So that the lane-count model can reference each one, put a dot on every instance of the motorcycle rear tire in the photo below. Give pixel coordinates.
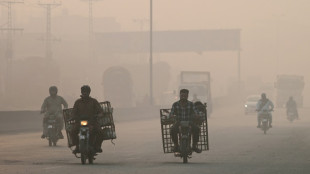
(49, 142)
(264, 125)
(90, 159)
(83, 158)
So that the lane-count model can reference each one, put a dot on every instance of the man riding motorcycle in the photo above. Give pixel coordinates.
(87, 108)
(52, 105)
(184, 110)
(291, 106)
(264, 105)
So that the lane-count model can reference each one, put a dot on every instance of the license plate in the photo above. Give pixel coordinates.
(82, 137)
(50, 126)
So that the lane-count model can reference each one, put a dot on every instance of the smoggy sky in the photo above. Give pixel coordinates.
(275, 34)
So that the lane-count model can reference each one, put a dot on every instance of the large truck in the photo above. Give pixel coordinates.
(289, 85)
(198, 84)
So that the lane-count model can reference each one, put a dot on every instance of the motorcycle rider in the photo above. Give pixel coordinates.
(184, 110)
(53, 105)
(87, 108)
(291, 106)
(264, 104)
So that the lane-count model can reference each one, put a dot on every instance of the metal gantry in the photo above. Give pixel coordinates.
(9, 52)
(48, 35)
(90, 27)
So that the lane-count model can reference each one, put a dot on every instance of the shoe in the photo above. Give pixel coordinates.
(195, 149)
(175, 149)
(42, 136)
(60, 136)
(76, 150)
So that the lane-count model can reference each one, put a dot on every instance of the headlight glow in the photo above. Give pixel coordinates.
(246, 106)
(84, 123)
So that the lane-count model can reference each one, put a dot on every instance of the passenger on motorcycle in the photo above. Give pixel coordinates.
(184, 110)
(291, 106)
(87, 108)
(262, 106)
(195, 98)
(52, 105)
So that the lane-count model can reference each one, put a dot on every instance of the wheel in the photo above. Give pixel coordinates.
(49, 142)
(54, 143)
(265, 127)
(90, 159)
(185, 159)
(83, 158)
(184, 151)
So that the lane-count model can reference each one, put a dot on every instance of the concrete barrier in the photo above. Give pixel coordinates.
(25, 121)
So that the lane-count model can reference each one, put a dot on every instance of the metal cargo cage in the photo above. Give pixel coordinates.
(106, 123)
(69, 124)
(166, 124)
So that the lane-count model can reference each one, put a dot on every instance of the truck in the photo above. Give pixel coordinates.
(199, 84)
(287, 86)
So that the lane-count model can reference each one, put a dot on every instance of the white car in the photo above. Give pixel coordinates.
(250, 104)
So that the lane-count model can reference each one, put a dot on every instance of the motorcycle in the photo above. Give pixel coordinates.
(291, 115)
(52, 130)
(265, 118)
(86, 149)
(184, 134)
(184, 141)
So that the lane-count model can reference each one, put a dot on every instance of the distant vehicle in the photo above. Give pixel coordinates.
(198, 83)
(291, 115)
(289, 85)
(250, 104)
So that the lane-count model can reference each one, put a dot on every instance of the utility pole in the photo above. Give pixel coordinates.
(90, 28)
(151, 52)
(48, 34)
(9, 52)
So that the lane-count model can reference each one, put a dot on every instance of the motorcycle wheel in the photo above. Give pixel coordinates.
(83, 158)
(90, 159)
(264, 127)
(184, 151)
(49, 142)
(54, 143)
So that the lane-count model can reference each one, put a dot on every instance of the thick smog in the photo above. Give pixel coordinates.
(154, 86)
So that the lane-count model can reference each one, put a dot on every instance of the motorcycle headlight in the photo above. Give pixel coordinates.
(246, 106)
(84, 123)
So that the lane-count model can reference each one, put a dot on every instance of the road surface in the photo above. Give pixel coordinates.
(236, 146)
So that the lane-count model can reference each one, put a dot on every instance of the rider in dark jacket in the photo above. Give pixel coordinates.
(87, 108)
(184, 110)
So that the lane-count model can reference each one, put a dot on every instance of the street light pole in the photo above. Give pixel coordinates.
(151, 52)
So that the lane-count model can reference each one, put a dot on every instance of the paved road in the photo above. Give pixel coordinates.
(236, 146)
